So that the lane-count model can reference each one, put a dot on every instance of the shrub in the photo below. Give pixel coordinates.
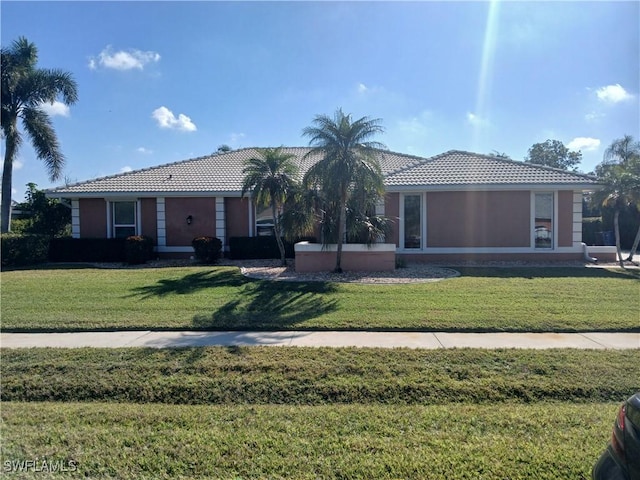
(67, 249)
(18, 250)
(138, 249)
(590, 228)
(207, 249)
(250, 248)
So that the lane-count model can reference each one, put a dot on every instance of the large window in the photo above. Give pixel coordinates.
(543, 225)
(264, 223)
(412, 221)
(124, 219)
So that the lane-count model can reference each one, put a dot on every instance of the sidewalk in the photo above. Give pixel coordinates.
(427, 340)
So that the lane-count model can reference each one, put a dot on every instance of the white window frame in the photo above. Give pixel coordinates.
(554, 221)
(111, 223)
(423, 222)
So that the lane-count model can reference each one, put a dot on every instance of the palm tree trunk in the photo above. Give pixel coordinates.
(341, 228)
(636, 241)
(276, 230)
(616, 227)
(7, 177)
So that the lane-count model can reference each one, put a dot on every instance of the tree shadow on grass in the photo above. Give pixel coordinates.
(265, 305)
(190, 284)
(547, 272)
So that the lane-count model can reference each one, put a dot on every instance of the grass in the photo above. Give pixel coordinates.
(309, 376)
(218, 298)
(131, 441)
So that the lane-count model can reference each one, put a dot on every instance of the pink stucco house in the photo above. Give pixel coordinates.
(456, 205)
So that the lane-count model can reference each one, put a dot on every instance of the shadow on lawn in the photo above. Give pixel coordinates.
(190, 284)
(270, 305)
(547, 272)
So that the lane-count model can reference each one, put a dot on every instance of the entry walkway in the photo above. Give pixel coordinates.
(428, 340)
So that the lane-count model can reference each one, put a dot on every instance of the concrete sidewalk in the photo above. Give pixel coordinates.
(428, 340)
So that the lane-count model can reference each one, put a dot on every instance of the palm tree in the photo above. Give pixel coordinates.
(25, 89)
(620, 173)
(348, 159)
(271, 177)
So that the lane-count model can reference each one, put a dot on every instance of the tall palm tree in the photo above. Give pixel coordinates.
(620, 174)
(348, 159)
(271, 177)
(25, 88)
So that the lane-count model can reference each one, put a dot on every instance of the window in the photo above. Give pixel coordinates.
(124, 219)
(264, 223)
(543, 222)
(412, 221)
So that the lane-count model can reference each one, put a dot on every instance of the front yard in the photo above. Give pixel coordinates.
(220, 298)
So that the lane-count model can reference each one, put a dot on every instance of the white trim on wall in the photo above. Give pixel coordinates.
(221, 222)
(75, 218)
(161, 222)
(577, 218)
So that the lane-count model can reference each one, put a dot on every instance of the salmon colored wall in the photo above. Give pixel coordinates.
(565, 218)
(148, 222)
(93, 218)
(392, 212)
(236, 217)
(479, 219)
(203, 211)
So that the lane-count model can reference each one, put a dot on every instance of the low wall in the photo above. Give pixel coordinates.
(604, 254)
(312, 257)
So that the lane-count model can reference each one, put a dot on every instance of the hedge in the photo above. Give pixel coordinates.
(207, 249)
(67, 249)
(20, 250)
(249, 248)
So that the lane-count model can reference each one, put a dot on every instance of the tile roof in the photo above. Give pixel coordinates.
(222, 173)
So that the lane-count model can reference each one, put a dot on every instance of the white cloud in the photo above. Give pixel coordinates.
(17, 164)
(593, 116)
(144, 151)
(476, 120)
(166, 119)
(613, 94)
(56, 109)
(123, 60)
(584, 143)
(126, 169)
(235, 138)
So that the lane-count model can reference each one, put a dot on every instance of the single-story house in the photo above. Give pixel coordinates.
(453, 206)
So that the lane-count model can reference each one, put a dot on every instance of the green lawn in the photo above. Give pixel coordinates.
(260, 412)
(481, 299)
(132, 441)
(316, 376)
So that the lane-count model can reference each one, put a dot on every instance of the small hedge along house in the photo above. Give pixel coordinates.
(453, 206)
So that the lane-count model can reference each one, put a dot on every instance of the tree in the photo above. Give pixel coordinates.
(271, 177)
(46, 216)
(620, 174)
(224, 148)
(348, 163)
(553, 153)
(25, 89)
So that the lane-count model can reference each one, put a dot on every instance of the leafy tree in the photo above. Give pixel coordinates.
(25, 88)
(270, 177)
(498, 154)
(620, 174)
(553, 153)
(348, 165)
(223, 148)
(46, 216)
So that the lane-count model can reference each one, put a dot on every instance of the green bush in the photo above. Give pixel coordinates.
(19, 250)
(590, 228)
(249, 248)
(207, 249)
(138, 249)
(67, 249)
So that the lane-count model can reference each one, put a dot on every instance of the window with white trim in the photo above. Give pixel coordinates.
(123, 219)
(543, 221)
(264, 223)
(412, 221)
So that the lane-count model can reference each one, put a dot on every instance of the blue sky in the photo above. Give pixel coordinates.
(165, 81)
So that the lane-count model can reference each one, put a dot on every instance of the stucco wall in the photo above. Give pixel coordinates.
(565, 218)
(148, 222)
(203, 211)
(392, 211)
(237, 217)
(93, 218)
(478, 219)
